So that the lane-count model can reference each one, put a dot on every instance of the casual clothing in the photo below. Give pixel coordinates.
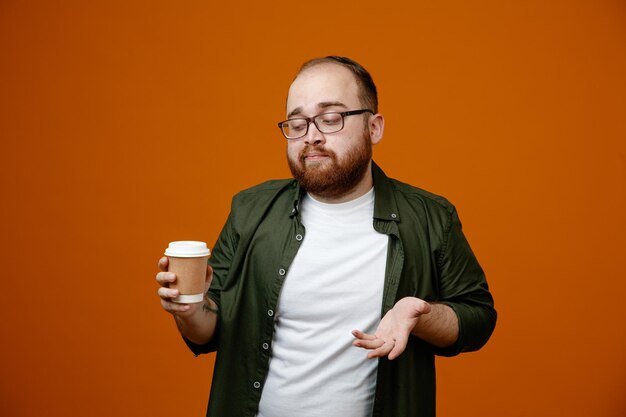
(334, 285)
(428, 257)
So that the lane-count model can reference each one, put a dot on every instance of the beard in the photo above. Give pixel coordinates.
(332, 178)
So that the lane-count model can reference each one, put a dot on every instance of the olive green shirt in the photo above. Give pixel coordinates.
(428, 257)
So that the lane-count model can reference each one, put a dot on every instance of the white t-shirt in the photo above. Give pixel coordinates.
(335, 285)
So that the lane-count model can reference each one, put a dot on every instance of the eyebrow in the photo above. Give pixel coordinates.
(323, 105)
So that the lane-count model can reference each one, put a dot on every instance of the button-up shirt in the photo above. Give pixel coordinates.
(428, 258)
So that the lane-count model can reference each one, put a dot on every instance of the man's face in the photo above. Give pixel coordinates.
(328, 165)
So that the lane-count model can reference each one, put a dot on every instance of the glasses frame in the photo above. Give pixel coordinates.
(310, 120)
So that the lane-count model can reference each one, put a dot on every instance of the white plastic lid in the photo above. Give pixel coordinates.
(187, 249)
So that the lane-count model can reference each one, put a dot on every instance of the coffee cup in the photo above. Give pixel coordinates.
(188, 260)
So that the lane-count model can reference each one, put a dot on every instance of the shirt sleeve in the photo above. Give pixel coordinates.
(221, 257)
(464, 288)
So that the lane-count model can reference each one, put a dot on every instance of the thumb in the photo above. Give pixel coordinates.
(422, 307)
(209, 276)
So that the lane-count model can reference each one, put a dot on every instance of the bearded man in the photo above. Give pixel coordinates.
(331, 293)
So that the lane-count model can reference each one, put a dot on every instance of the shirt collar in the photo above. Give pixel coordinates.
(298, 192)
(385, 206)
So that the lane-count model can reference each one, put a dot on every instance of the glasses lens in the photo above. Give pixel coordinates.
(295, 128)
(329, 122)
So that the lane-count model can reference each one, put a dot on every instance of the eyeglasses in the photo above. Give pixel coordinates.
(331, 122)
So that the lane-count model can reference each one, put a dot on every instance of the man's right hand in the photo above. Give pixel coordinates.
(167, 294)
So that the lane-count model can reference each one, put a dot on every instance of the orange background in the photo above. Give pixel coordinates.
(126, 125)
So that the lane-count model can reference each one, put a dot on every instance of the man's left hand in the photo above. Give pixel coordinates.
(392, 334)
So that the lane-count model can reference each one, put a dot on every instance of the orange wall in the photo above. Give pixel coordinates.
(126, 125)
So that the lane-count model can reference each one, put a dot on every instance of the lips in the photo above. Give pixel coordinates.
(313, 154)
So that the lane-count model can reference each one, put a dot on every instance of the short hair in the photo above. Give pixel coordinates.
(368, 95)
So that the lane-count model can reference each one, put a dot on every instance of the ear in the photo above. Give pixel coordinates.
(377, 127)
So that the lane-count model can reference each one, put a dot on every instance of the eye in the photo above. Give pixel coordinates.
(330, 119)
(297, 125)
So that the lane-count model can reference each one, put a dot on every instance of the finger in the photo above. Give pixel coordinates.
(364, 336)
(398, 347)
(167, 293)
(382, 351)
(368, 344)
(163, 263)
(174, 308)
(165, 278)
(209, 275)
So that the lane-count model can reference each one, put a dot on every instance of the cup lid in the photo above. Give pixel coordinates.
(187, 249)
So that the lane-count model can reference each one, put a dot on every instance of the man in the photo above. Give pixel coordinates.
(308, 272)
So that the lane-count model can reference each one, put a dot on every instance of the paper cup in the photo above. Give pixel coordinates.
(188, 260)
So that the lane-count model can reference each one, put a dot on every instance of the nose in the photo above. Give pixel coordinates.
(314, 136)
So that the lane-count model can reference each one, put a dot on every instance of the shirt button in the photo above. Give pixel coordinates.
(394, 215)
(266, 346)
(270, 313)
(281, 272)
(256, 384)
(298, 237)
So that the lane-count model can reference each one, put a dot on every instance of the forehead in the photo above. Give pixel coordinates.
(321, 84)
